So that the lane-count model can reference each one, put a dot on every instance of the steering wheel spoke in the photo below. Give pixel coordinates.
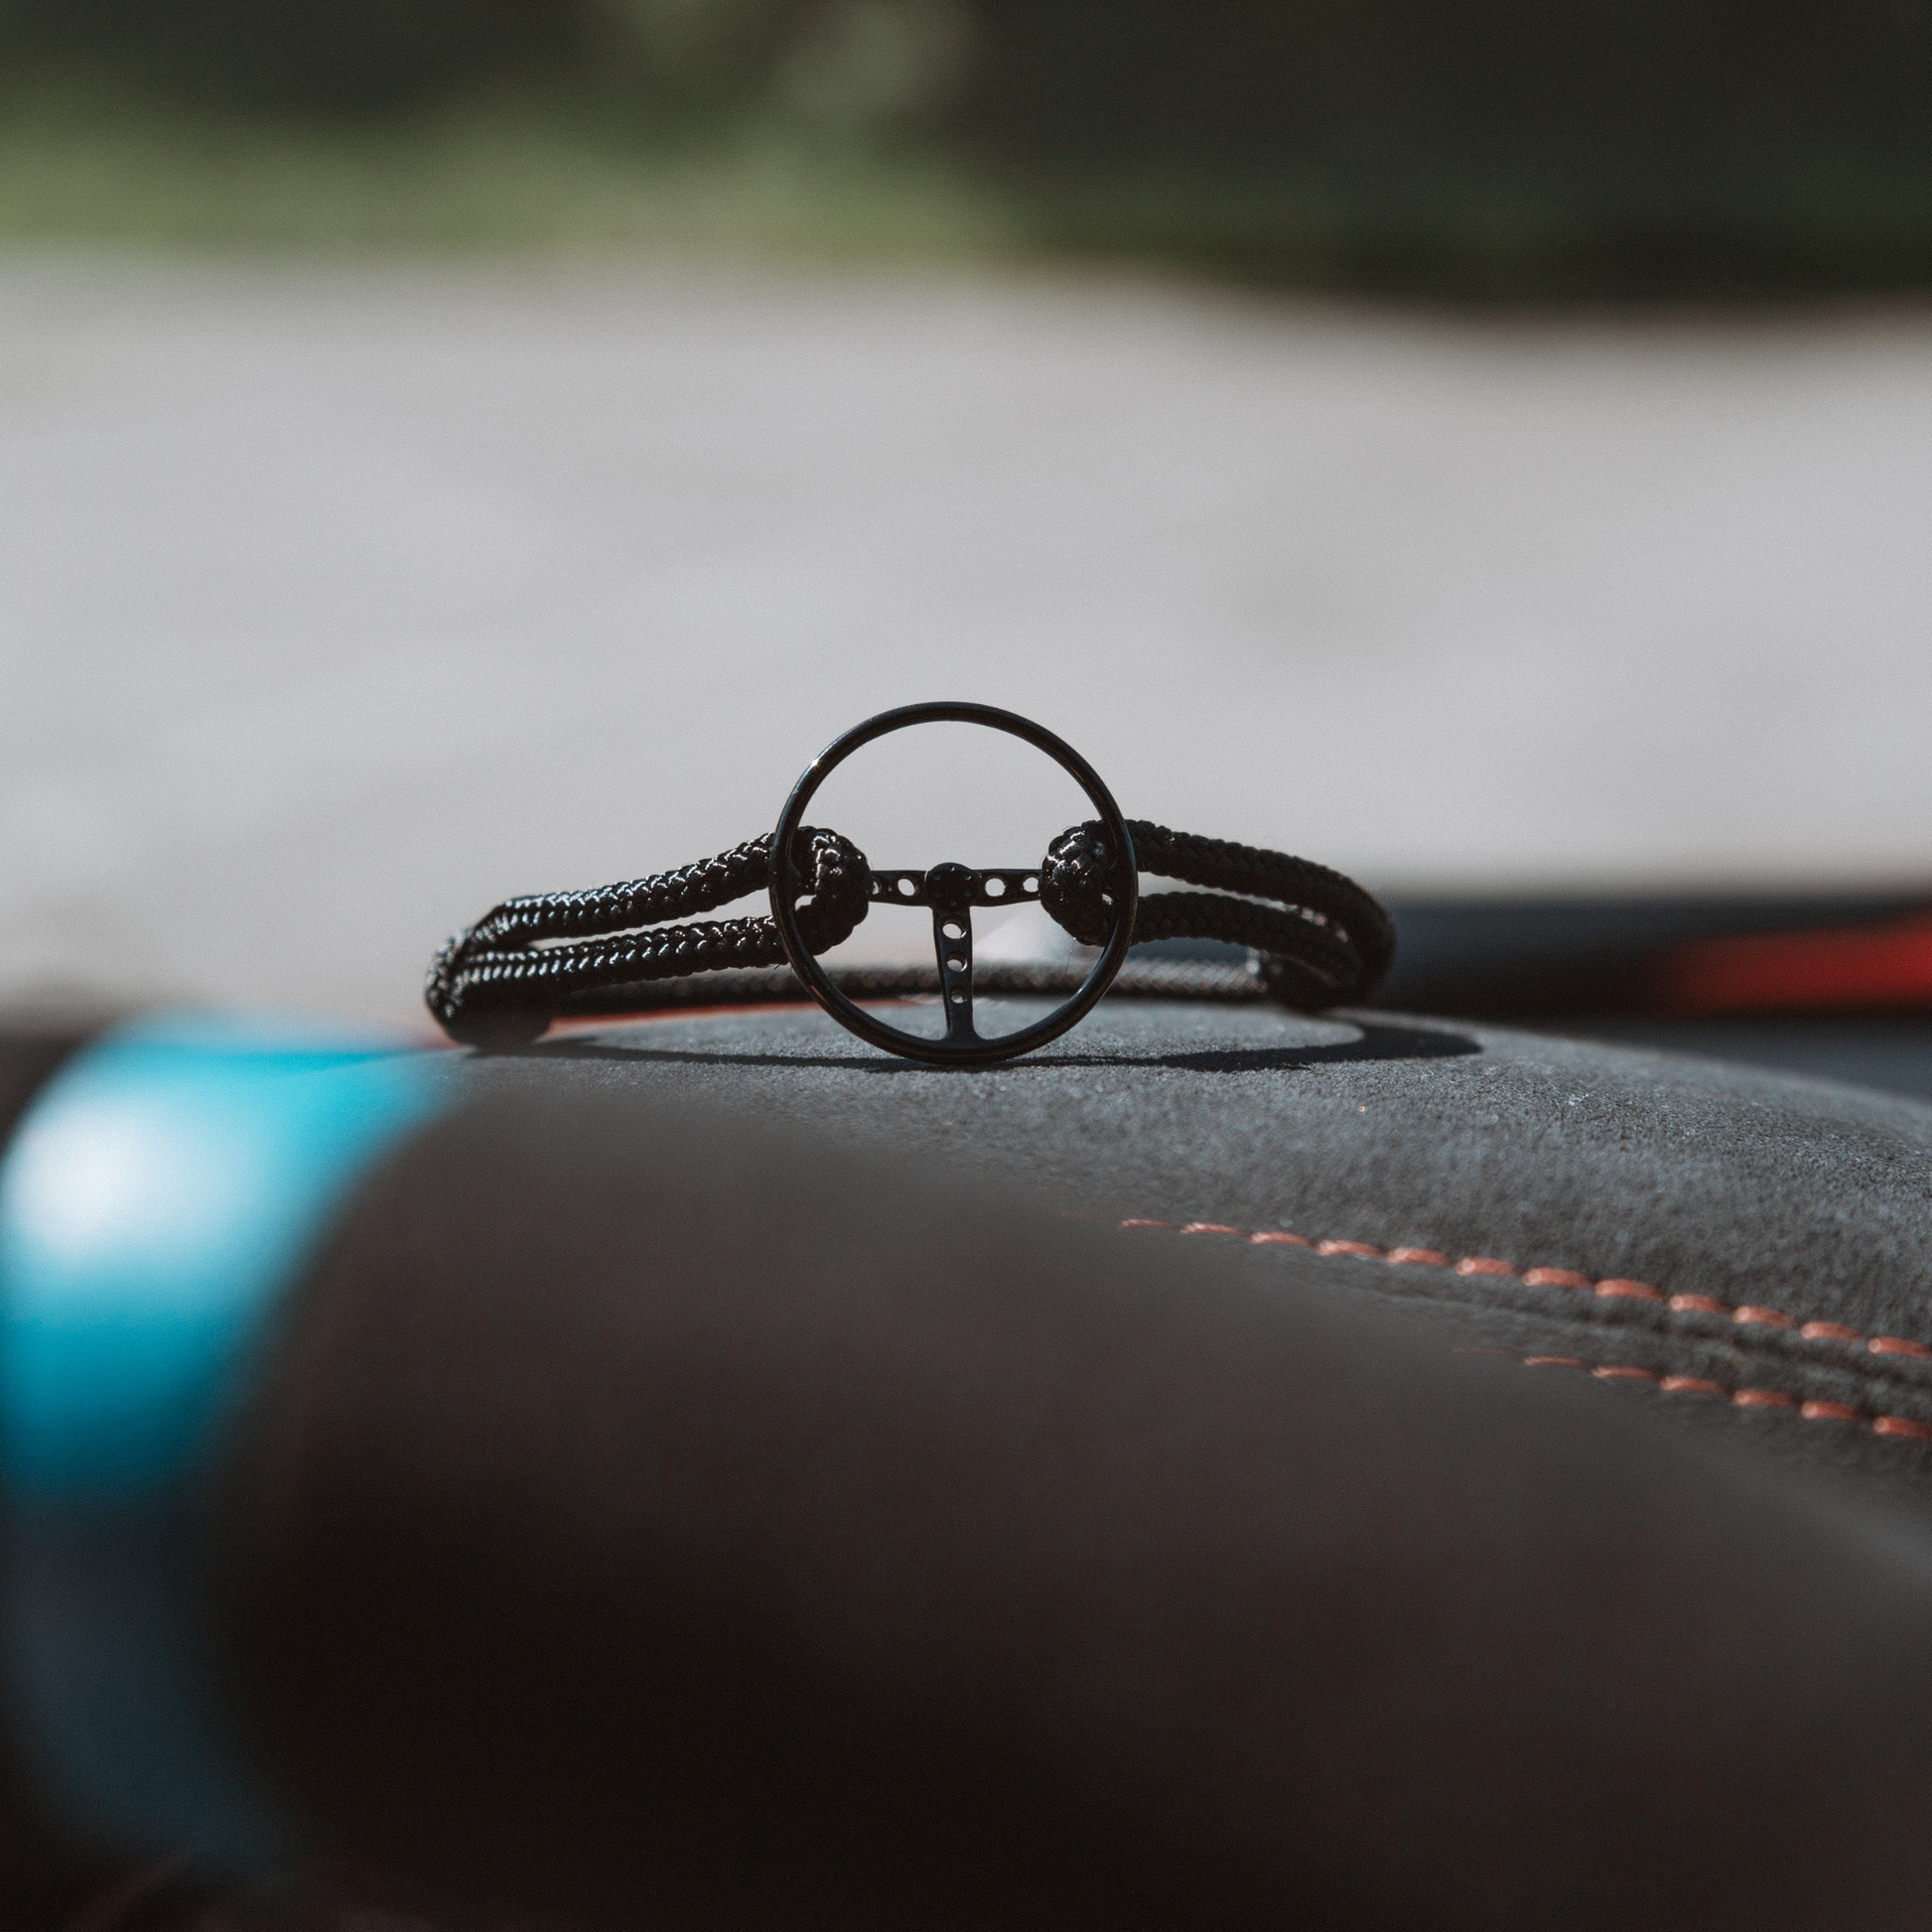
(950, 893)
(952, 941)
(1006, 886)
(991, 886)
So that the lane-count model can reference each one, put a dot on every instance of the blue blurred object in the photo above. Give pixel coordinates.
(165, 1187)
(163, 1191)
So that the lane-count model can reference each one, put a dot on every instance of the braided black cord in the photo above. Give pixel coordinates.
(495, 986)
(1325, 942)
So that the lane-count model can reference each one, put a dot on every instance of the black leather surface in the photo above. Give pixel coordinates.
(666, 1512)
(722, 1476)
(1797, 1201)
(1890, 1052)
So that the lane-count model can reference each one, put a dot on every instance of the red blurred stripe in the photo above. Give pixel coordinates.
(1887, 965)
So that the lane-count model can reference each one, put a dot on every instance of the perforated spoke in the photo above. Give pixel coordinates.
(950, 891)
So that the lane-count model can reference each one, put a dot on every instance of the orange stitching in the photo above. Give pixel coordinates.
(1622, 1291)
(1901, 1426)
(1615, 1288)
(1700, 1305)
(1750, 1313)
(1891, 1345)
(1829, 1412)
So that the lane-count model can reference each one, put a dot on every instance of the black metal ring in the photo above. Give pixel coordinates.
(940, 1053)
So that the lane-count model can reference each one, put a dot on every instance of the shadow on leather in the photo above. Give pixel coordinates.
(1375, 1043)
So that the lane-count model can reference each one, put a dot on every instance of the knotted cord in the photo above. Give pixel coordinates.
(1324, 941)
(495, 985)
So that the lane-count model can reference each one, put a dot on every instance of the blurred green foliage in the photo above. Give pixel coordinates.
(666, 65)
(327, 56)
(1482, 148)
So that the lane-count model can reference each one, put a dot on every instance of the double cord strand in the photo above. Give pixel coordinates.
(1324, 941)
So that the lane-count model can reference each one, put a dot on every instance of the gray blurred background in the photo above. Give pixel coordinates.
(449, 451)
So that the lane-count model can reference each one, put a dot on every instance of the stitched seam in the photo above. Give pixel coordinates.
(1868, 1385)
(1741, 1398)
(1611, 1288)
(1664, 1382)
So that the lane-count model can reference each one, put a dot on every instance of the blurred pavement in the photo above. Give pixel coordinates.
(337, 602)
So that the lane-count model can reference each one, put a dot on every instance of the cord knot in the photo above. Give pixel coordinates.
(500, 982)
(1324, 941)
(1079, 881)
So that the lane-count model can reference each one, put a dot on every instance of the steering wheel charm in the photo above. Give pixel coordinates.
(950, 892)
(1309, 937)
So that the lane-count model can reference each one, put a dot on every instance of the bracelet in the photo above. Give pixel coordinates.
(1316, 938)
